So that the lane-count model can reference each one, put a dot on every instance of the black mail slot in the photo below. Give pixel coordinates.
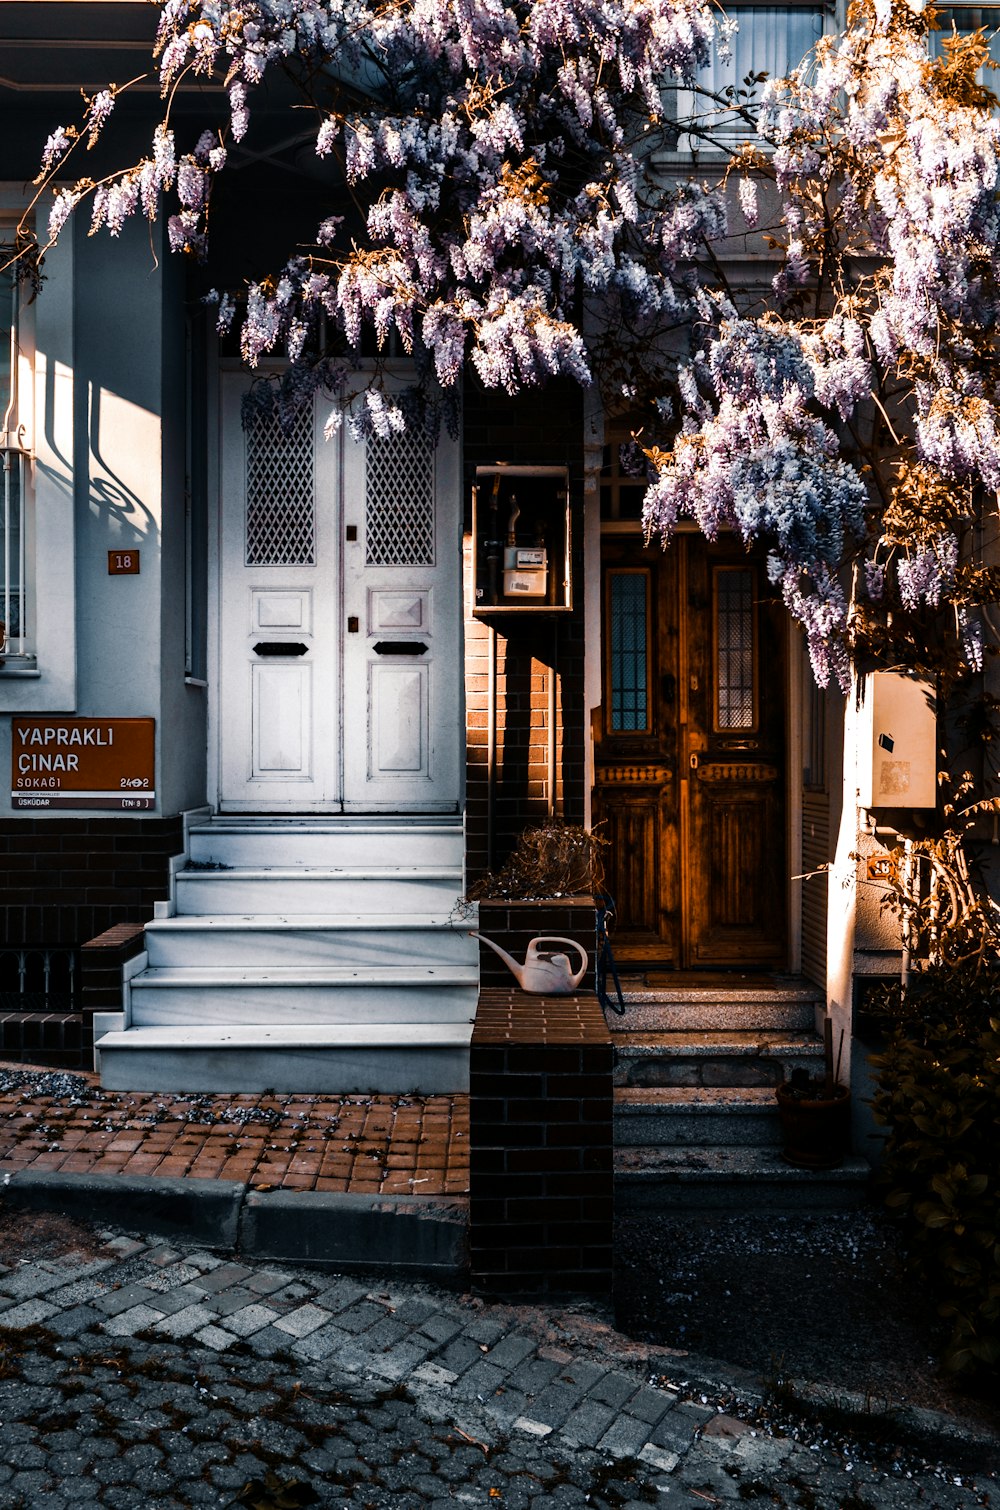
(400, 647)
(279, 647)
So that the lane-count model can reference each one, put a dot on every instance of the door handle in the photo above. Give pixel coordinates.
(280, 647)
(400, 647)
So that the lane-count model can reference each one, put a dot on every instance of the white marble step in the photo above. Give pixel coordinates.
(324, 940)
(744, 1116)
(255, 842)
(386, 1058)
(308, 890)
(171, 997)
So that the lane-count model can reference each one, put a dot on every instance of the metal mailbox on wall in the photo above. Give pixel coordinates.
(897, 747)
(106, 763)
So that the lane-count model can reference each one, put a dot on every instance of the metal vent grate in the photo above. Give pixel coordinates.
(39, 979)
(399, 504)
(281, 494)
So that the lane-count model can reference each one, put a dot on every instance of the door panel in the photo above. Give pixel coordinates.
(282, 718)
(340, 673)
(278, 673)
(689, 758)
(403, 729)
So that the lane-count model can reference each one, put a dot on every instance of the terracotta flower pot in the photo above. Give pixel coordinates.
(815, 1127)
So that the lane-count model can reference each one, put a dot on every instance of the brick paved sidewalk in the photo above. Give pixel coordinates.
(363, 1145)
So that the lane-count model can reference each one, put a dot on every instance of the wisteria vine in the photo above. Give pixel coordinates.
(855, 419)
(502, 210)
(512, 221)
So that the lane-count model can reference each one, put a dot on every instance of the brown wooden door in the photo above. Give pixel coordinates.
(689, 755)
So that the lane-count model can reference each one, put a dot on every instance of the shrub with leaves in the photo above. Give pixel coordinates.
(939, 1096)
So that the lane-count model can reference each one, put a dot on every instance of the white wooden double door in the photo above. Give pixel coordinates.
(339, 682)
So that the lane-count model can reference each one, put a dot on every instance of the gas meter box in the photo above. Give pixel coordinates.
(897, 743)
(525, 572)
(521, 540)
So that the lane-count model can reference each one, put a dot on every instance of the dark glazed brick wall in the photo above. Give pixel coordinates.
(101, 962)
(541, 1150)
(514, 924)
(63, 881)
(56, 1039)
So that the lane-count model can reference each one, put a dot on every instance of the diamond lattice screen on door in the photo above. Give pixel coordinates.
(399, 503)
(281, 494)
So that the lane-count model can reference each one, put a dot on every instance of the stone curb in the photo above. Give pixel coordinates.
(409, 1235)
(418, 1237)
(930, 1431)
(202, 1211)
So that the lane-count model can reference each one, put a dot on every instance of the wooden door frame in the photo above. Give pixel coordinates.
(792, 732)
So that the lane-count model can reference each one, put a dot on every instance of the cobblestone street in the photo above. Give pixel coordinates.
(134, 1373)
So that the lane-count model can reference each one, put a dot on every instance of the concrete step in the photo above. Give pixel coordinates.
(745, 1116)
(713, 1059)
(255, 842)
(308, 890)
(688, 1009)
(388, 1058)
(706, 1178)
(319, 941)
(286, 996)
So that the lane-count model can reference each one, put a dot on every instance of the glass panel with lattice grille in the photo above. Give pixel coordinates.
(281, 492)
(629, 653)
(399, 501)
(734, 654)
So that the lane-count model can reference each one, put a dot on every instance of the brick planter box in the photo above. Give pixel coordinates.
(541, 1152)
(514, 924)
(54, 1039)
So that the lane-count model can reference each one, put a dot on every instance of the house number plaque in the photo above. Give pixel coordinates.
(123, 563)
(83, 763)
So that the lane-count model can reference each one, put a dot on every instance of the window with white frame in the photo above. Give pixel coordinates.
(768, 39)
(38, 556)
(14, 632)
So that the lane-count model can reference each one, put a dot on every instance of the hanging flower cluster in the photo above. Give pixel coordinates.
(511, 221)
(858, 419)
(756, 457)
(490, 149)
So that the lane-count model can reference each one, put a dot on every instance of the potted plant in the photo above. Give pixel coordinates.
(814, 1111)
(545, 888)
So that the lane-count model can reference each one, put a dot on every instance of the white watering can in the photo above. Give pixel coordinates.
(544, 972)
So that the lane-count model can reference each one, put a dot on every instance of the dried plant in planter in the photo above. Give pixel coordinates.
(553, 860)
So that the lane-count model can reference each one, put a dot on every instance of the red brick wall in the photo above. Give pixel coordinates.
(538, 429)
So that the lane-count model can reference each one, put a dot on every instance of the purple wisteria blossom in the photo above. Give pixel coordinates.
(859, 419)
(490, 149)
(511, 220)
(758, 460)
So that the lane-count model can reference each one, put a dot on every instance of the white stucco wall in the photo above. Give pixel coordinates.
(109, 474)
